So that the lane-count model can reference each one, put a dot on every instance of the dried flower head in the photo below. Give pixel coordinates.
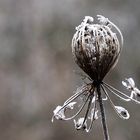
(96, 50)
(95, 47)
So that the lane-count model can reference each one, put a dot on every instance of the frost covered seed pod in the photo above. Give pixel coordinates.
(95, 47)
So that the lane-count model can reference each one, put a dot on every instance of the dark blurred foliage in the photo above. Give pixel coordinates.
(36, 66)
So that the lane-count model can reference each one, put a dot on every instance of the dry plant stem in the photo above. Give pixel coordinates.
(103, 117)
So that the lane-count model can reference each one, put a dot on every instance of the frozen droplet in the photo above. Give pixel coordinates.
(80, 124)
(122, 112)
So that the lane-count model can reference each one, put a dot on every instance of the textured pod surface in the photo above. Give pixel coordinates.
(95, 48)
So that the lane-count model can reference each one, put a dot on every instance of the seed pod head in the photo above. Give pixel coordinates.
(95, 47)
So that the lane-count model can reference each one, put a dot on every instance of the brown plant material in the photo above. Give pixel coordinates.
(95, 48)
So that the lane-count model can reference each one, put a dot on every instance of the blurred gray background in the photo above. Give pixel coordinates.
(36, 67)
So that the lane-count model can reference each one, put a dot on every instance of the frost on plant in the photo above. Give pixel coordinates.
(130, 85)
(122, 112)
(80, 124)
(96, 50)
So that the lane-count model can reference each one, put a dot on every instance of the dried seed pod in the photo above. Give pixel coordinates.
(95, 47)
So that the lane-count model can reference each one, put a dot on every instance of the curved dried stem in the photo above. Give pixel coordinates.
(77, 94)
(122, 98)
(112, 104)
(118, 31)
(112, 89)
(79, 111)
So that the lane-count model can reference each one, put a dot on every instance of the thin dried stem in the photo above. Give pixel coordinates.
(88, 108)
(93, 115)
(79, 111)
(112, 89)
(104, 124)
(112, 104)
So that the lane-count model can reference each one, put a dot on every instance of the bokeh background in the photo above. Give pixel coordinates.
(37, 68)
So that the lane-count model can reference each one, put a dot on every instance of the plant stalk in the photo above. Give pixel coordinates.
(103, 116)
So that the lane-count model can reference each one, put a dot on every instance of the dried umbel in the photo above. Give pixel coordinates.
(96, 47)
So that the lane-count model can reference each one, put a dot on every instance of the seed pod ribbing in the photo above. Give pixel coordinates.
(95, 48)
